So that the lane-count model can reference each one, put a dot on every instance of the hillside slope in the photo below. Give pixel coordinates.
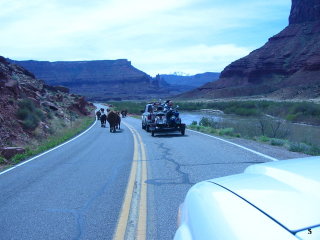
(286, 67)
(30, 108)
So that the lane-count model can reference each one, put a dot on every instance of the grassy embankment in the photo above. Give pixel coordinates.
(270, 117)
(269, 131)
(60, 133)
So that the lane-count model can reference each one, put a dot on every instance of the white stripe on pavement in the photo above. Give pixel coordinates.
(245, 148)
(31, 159)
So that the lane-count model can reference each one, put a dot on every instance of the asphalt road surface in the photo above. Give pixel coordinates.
(122, 185)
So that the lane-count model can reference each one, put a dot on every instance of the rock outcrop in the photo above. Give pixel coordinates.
(97, 80)
(287, 66)
(29, 106)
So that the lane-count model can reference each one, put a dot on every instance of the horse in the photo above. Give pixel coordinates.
(103, 119)
(113, 120)
(124, 113)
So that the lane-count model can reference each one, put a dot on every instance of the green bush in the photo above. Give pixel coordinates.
(212, 130)
(207, 122)
(314, 150)
(299, 147)
(277, 142)
(263, 139)
(226, 131)
(2, 161)
(29, 114)
(304, 148)
(194, 123)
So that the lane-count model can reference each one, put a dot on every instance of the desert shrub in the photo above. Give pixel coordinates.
(226, 131)
(299, 147)
(29, 114)
(277, 142)
(2, 161)
(208, 122)
(314, 150)
(212, 130)
(304, 148)
(263, 139)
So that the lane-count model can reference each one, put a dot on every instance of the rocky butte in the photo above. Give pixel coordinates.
(97, 80)
(286, 67)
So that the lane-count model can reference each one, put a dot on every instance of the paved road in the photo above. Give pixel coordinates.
(73, 192)
(78, 190)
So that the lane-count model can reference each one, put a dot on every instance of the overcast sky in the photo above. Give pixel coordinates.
(157, 36)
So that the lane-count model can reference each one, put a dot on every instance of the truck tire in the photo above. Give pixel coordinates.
(152, 133)
(183, 130)
(147, 128)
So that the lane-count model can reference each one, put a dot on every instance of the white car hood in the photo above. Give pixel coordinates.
(285, 191)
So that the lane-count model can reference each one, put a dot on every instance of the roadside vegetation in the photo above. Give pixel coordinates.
(60, 133)
(29, 115)
(270, 126)
(269, 135)
(132, 107)
(300, 112)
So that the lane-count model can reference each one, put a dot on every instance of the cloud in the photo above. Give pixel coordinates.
(199, 35)
(192, 59)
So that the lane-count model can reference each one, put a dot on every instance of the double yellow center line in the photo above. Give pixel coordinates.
(133, 216)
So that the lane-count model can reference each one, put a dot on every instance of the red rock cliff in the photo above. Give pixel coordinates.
(287, 66)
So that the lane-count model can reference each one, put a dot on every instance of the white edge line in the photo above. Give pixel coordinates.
(248, 149)
(41, 154)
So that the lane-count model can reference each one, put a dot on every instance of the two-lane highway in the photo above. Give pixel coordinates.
(73, 192)
(104, 185)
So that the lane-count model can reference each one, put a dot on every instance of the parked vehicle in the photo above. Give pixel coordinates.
(274, 200)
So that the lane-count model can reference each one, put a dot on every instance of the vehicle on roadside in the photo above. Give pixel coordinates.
(158, 117)
(147, 116)
(274, 200)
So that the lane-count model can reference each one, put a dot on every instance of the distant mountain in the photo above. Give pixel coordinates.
(97, 80)
(287, 66)
(188, 82)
